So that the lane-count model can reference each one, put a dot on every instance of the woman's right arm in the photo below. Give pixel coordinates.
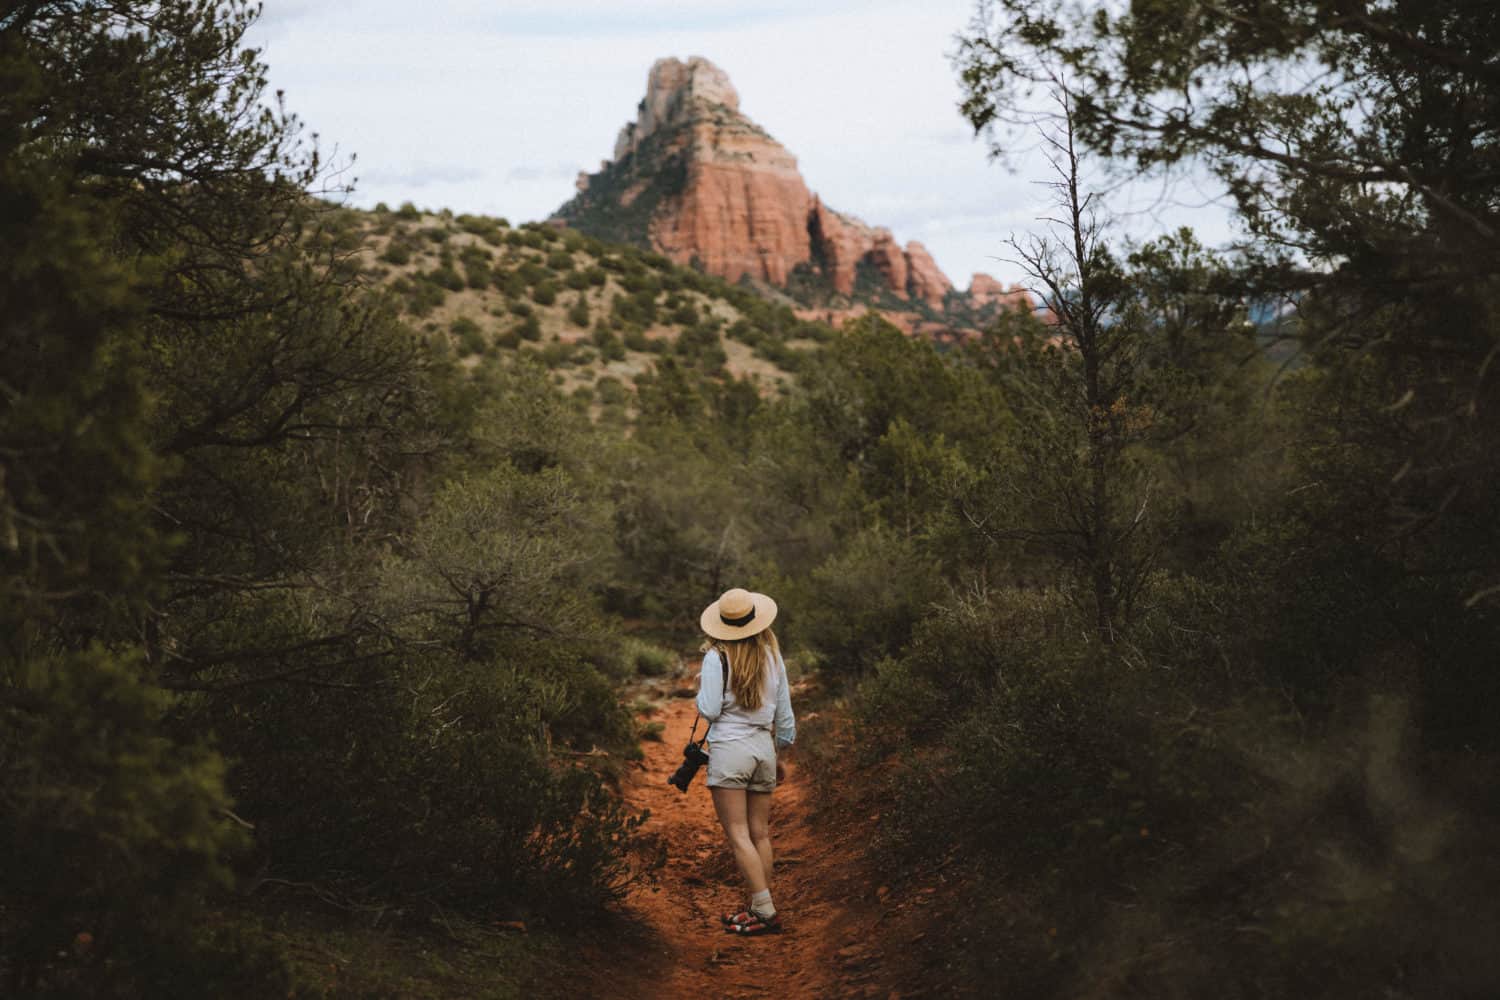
(710, 687)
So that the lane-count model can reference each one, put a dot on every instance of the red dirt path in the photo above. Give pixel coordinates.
(681, 950)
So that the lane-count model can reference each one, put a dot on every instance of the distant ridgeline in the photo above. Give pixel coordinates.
(697, 181)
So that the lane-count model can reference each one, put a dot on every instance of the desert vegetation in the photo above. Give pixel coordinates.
(1164, 618)
(589, 309)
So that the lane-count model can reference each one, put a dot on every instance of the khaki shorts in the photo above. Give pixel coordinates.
(748, 762)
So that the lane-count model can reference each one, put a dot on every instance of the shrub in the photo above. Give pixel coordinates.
(530, 328)
(611, 391)
(863, 603)
(477, 272)
(423, 295)
(578, 312)
(818, 333)
(114, 829)
(647, 660)
(560, 260)
(642, 282)
(486, 229)
(644, 302)
(557, 354)
(611, 348)
(544, 294)
(408, 211)
(470, 337)
(636, 339)
(511, 283)
(396, 252)
(546, 840)
(533, 273)
(700, 345)
(576, 280)
(444, 276)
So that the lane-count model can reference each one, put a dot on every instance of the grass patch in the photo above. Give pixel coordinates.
(649, 660)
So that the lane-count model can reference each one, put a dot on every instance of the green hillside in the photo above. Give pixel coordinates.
(598, 315)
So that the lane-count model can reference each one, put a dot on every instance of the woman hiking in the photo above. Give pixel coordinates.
(748, 723)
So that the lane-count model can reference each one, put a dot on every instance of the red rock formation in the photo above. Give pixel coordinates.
(889, 259)
(712, 185)
(743, 210)
(926, 280)
(841, 243)
(985, 291)
(697, 180)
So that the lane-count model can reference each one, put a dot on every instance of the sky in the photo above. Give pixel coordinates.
(493, 108)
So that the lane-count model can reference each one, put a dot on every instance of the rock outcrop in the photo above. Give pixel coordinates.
(744, 207)
(985, 292)
(927, 280)
(696, 180)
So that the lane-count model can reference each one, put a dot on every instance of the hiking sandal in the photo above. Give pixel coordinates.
(742, 917)
(756, 925)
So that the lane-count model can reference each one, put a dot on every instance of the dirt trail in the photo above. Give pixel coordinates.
(681, 950)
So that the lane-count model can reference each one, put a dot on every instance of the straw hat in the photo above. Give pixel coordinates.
(739, 614)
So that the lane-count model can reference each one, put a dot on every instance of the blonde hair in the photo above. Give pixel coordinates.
(749, 659)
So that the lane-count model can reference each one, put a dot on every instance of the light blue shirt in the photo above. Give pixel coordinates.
(730, 720)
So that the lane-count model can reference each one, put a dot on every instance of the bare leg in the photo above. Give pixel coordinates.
(729, 803)
(758, 819)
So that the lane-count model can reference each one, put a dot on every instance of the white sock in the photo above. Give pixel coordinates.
(761, 905)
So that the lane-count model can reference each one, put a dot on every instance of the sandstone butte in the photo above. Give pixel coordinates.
(695, 179)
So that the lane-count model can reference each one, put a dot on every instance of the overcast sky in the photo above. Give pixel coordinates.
(494, 107)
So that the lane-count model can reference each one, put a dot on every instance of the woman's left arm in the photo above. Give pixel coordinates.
(784, 722)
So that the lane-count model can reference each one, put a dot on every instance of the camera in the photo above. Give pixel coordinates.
(693, 757)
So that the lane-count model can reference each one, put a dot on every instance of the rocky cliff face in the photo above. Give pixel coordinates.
(696, 180)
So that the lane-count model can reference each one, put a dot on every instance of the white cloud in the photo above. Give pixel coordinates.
(420, 175)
